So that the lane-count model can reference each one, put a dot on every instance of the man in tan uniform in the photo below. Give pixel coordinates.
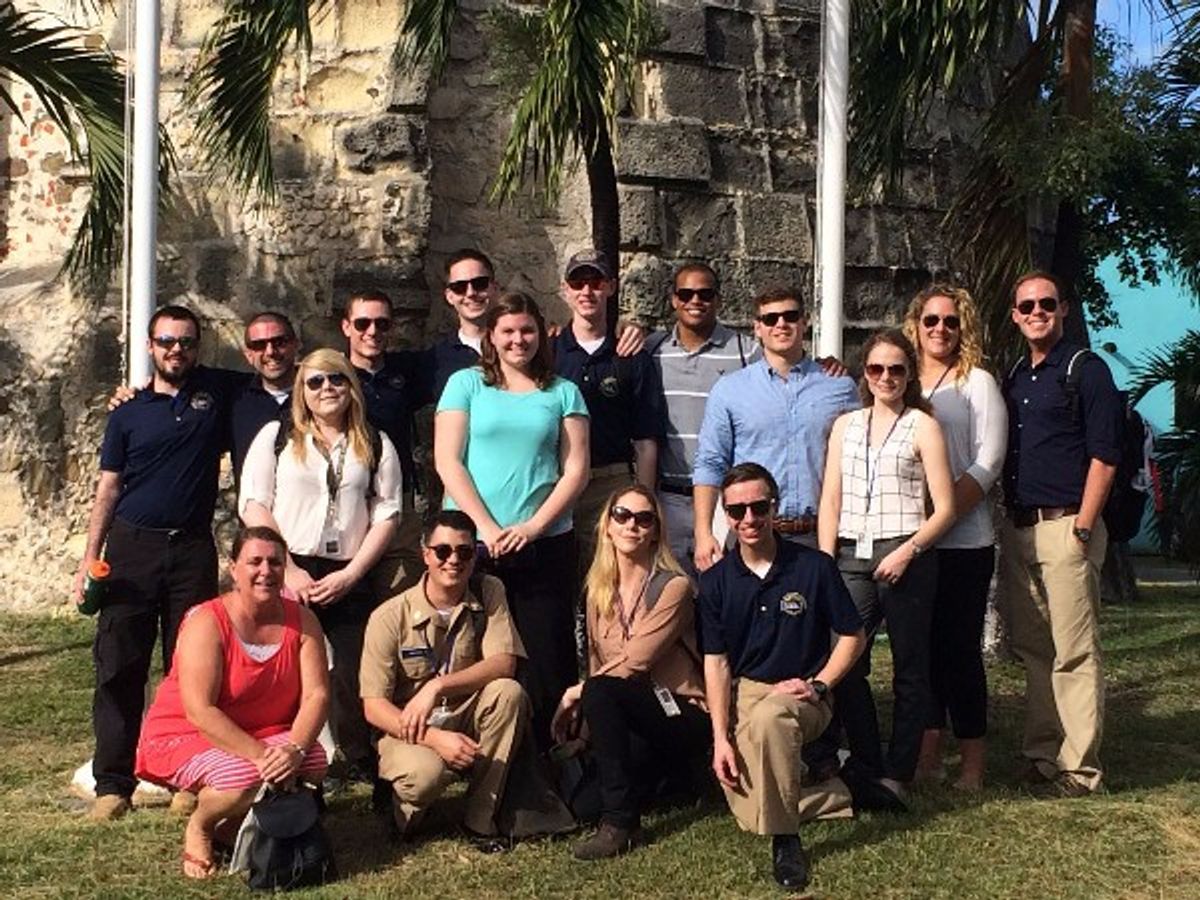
(767, 611)
(437, 679)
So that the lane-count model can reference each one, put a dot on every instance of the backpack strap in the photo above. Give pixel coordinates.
(1073, 379)
(656, 341)
(658, 582)
(741, 349)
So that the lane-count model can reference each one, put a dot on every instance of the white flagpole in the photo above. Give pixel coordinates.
(831, 181)
(143, 279)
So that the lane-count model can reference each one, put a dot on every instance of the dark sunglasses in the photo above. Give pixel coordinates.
(1048, 304)
(462, 552)
(708, 295)
(167, 341)
(791, 316)
(596, 283)
(931, 321)
(875, 370)
(480, 283)
(362, 324)
(279, 342)
(317, 380)
(737, 511)
(643, 518)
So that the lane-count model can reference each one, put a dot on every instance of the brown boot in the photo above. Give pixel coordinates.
(607, 842)
(109, 807)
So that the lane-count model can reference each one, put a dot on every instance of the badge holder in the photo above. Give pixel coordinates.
(330, 543)
(864, 546)
(667, 701)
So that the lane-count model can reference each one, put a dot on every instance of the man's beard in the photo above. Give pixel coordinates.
(172, 378)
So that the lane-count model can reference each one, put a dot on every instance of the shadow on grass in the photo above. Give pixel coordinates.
(12, 659)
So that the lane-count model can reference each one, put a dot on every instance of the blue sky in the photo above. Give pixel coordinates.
(1147, 34)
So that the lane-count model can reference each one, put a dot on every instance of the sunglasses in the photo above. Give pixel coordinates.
(317, 380)
(875, 370)
(931, 321)
(708, 295)
(791, 316)
(596, 283)
(643, 518)
(1048, 304)
(279, 342)
(167, 341)
(480, 283)
(737, 511)
(462, 552)
(362, 324)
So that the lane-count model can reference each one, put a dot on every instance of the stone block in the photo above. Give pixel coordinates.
(369, 24)
(300, 148)
(683, 30)
(645, 281)
(698, 224)
(672, 151)
(407, 210)
(731, 38)
(385, 140)
(879, 236)
(791, 46)
(193, 20)
(214, 266)
(777, 226)
(716, 96)
(802, 9)
(339, 89)
(742, 279)
(409, 89)
(794, 166)
(778, 104)
(738, 163)
(875, 296)
(640, 217)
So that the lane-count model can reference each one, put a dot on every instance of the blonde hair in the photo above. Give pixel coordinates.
(603, 581)
(970, 333)
(326, 360)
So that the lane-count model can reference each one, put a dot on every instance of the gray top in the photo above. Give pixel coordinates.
(687, 379)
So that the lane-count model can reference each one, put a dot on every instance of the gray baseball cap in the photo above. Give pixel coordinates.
(588, 259)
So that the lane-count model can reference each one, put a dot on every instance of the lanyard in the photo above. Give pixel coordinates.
(442, 660)
(934, 389)
(627, 623)
(879, 452)
(333, 476)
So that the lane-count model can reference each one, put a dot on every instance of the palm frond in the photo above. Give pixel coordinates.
(230, 90)
(1177, 364)
(425, 34)
(1181, 63)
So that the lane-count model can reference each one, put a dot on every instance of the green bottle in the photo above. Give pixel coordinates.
(93, 587)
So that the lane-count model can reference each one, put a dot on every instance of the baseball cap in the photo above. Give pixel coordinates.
(588, 259)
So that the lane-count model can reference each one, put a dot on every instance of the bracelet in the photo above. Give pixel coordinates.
(296, 747)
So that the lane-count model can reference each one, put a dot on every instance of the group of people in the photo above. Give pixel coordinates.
(648, 549)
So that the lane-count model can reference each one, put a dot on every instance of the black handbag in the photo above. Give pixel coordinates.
(290, 848)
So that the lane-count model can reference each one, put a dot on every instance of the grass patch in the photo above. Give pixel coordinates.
(1142, 839)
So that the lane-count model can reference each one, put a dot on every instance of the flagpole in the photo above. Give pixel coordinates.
(831, 182)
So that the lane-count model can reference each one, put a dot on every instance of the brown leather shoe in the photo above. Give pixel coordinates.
(109, 807)
(607, 842)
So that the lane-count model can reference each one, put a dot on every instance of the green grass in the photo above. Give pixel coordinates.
(1142, 839)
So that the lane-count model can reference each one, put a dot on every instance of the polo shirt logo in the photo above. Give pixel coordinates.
(201, 400)
(793, 604)
(609, 386)
(397, 381)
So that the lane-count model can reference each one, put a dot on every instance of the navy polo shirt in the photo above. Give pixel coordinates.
(777, 627)
(1052, 441)
(450, 355)
(168, 451)
(393, 395)
(624, 396)
(253, 407)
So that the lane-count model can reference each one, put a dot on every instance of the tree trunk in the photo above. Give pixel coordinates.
(606, 210)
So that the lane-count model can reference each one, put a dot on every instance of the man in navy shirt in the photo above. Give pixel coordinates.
(470, 289)
(270, 346)
(152, 516)
(767, 612)
(1063, 448)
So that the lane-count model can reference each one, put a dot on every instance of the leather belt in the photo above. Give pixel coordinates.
(1025, 516)
(806, 525)
(612, 469)
(682, 490)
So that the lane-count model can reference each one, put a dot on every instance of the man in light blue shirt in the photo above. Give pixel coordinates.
(776, 412)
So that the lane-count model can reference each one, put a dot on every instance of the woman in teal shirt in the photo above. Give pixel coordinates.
(511, 447)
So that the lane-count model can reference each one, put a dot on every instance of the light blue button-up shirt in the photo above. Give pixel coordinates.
(754, 415)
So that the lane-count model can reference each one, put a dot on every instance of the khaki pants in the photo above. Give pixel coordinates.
(1050, 591)
(769, 731)
(401, 566)
(497, 717)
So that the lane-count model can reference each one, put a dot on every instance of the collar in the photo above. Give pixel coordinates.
(424, 612)
(569, 342)
(1058, 356)
(783, 553)
(805, 367)
(719, 338)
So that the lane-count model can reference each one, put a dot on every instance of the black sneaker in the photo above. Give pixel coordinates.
(789, 862)
(608, 841)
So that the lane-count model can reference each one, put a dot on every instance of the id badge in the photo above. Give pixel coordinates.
(667, 701)
(330, 544)
(438, 717)
(864, 547)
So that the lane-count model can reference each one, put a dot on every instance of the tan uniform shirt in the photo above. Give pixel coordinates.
(405, 644)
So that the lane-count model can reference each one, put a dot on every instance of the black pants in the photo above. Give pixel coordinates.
(908, 608)
(344, 624)
(957, 676)
(629, 733)
(540, 586)
(156, 577)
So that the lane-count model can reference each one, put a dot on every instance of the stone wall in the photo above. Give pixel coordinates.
(382, 175)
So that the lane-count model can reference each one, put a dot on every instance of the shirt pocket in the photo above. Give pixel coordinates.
(417, 663)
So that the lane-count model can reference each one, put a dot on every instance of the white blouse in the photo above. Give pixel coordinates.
(297, 492)
(883, 487)
(974, 421)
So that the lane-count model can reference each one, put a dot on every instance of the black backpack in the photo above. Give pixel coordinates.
(290, 848)
(1126, 505)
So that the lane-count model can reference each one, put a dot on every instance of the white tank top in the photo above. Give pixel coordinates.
(894, 480)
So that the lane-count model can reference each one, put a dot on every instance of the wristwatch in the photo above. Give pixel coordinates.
(1084, 534)
(820, 688)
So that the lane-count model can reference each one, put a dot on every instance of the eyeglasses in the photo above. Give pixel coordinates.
(316, 381)
(167, 341)
(875, 370)
(758, 508)
(1048, 304)
(708, 295)
(596, 283)
(363, 323)
(931, 321)
(462, 552)
(791, 316)
(643, 518)
(278, 342)
(480, 283)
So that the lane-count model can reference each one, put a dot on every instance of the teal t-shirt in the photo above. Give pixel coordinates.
(512, 443)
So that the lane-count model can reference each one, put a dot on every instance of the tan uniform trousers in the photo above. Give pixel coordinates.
(498, 718)
(769, 731)
(401, 565)
(1050, 591)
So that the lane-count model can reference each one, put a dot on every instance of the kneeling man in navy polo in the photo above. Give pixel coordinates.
(778, 630)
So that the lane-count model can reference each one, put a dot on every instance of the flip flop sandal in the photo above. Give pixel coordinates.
(204, 865)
